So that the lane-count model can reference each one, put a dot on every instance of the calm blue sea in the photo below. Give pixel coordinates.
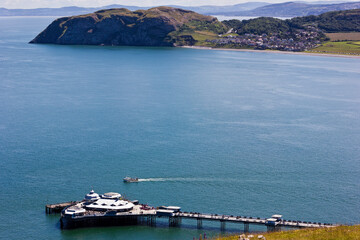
(228, 132)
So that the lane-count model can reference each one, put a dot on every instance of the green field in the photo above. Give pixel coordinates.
(346, 47)
(343, 36)
(336, 233)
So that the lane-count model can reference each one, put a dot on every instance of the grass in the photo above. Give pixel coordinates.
(199, 36)
(350, 36)
(346, 47)
(336, 233)
(202, 36)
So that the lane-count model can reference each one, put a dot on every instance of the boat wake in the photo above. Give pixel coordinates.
(177, 179)
(152, 179)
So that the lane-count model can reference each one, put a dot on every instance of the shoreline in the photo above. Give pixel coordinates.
(274, 51)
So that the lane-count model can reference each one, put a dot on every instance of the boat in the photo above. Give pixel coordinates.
(130, 180)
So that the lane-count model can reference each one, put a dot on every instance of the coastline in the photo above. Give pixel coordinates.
(274, 51)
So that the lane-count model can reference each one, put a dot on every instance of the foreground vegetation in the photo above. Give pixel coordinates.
(336, 233)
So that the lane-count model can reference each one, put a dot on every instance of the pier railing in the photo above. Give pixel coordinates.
(251, 220)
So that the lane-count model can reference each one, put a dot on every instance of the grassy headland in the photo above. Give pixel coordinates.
(335, 233)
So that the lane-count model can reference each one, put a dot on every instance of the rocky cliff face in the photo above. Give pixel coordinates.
(121, 27)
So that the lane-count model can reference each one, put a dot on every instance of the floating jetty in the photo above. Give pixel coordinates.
(110, 209)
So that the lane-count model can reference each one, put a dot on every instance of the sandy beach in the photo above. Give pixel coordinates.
(274, 51)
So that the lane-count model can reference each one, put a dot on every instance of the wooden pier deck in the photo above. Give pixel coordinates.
(58, 207)
(249, 220)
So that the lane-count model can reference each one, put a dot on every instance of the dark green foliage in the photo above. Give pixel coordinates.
(234, 23)
(263, 25)
(338, 21)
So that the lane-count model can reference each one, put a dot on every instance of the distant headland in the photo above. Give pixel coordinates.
(263, 9)
(171, 27)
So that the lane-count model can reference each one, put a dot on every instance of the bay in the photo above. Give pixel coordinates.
(223, 132)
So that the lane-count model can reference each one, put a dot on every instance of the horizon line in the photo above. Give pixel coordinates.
(270, 3)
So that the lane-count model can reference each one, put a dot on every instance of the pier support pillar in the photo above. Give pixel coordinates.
(272, 228)
(246, 227)
(174, 221)
(199, 223)
(151, 220)
(48, 210)
(222, 225)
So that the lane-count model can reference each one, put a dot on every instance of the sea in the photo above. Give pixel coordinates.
(223, 17)
(225, 132)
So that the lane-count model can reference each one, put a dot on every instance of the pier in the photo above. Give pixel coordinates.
(111, 209)
(144, 215)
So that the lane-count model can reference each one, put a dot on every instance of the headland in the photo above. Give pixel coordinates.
(173, 27)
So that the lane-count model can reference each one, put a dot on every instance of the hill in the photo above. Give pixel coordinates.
(138, 28)
(74, 10)
(287, 9)
(337, 21)
(63, 11)
(296, 9)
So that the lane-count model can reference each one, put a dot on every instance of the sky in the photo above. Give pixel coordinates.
(99, 3)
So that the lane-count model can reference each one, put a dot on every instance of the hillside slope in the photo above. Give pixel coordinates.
(337, 21)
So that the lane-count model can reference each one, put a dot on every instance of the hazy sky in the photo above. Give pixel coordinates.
(98, 3)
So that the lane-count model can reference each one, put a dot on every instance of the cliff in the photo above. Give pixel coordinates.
(123, 27)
